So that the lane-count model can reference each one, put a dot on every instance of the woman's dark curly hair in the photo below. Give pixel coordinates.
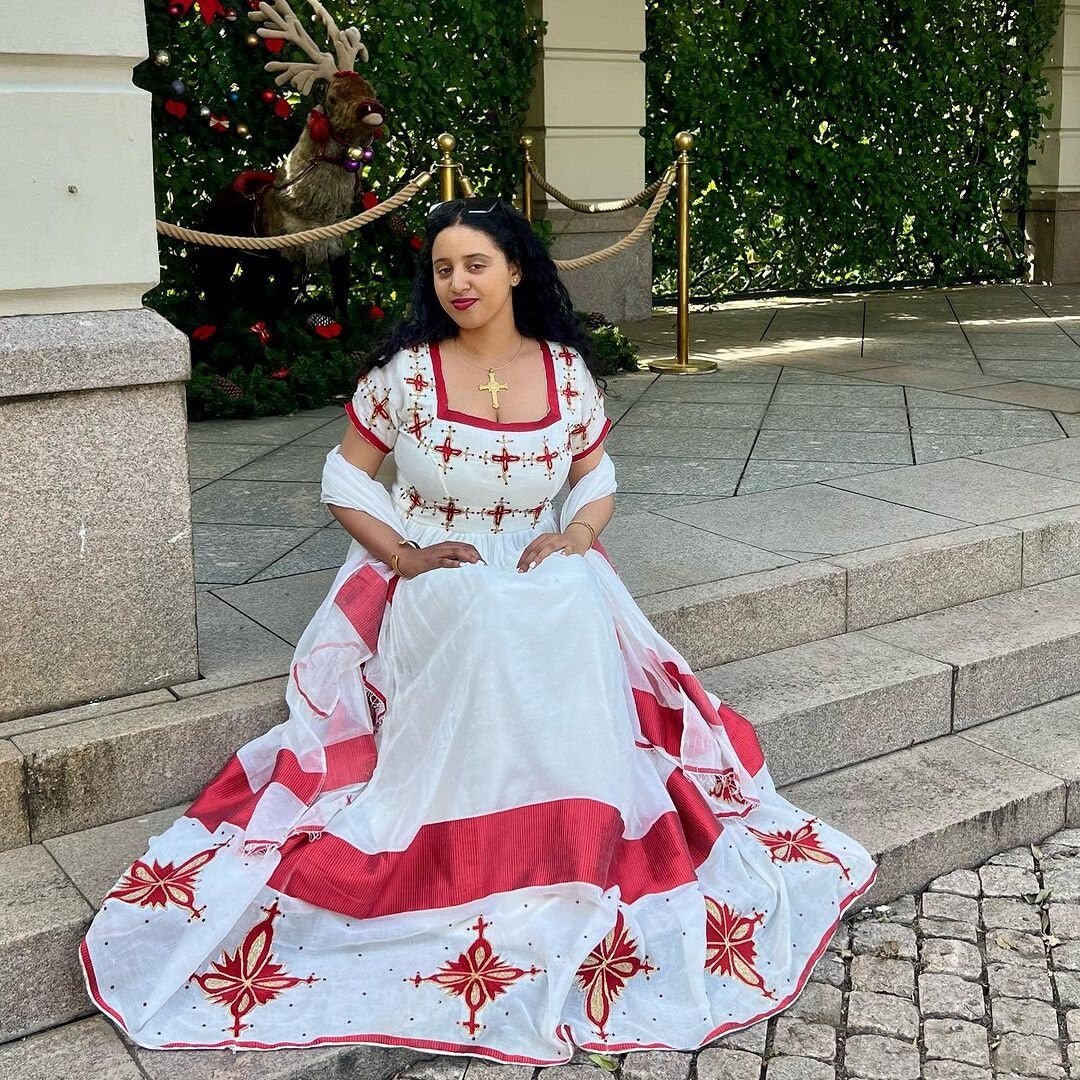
(542, 306)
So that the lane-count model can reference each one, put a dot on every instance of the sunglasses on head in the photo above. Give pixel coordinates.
(474, 205)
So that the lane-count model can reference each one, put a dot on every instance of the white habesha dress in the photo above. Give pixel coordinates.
(503, 818)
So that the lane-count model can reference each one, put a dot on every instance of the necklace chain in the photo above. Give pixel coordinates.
(488, 367)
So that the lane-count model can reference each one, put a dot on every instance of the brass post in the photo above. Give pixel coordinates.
(447, 169)
(682, 364)
(526, 177)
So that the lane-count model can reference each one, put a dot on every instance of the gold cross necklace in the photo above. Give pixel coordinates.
(492, 386)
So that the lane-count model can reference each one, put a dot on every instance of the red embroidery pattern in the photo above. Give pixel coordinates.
(416, 428)
(505, 459)
(729, 944)
(249, 977)
(448, 450)
(378, 408)
(546, 458)
(802, 845)
(566, 355)
(451, 510)
(569, 392)
(157, 885)
(606, 970)
(478, 975)
(497, 514)
(418, 382)
(376, 701)
(726, 788)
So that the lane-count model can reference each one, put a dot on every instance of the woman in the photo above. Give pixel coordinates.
(535, 830)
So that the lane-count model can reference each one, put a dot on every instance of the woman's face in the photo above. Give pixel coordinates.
(472, 276)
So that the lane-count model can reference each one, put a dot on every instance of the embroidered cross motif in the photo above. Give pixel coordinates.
(447, 450)
(416, 428)
(536, 511)
(450, 510)
(569, 393)
(504, 458)
(566, 355)
(497, 514)
(547, 457)
(378, 408)
(418, 382)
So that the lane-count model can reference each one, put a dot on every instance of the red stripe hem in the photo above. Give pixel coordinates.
(366, 432)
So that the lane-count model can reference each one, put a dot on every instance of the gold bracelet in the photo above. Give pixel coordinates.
(592, 531)
(394, 563)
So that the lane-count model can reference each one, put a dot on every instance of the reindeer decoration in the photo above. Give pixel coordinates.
(316, 184)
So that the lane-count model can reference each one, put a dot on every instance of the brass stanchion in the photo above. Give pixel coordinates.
(526, 177)
(447, 169)
(682, 364)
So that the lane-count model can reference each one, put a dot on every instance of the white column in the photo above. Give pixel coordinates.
(96, 576)
(1054, 218)
(586, 114)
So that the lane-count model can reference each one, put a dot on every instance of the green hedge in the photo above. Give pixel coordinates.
(846, 141)
(464, 67)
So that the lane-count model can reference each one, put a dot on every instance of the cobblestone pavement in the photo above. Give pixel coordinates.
(976, 978)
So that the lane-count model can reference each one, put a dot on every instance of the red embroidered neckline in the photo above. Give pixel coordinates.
(444, 412)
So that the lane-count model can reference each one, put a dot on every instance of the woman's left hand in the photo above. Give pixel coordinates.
(545, 544)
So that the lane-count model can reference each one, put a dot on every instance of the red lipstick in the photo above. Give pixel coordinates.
(464, 304)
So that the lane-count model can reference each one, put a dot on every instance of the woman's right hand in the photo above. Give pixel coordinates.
(415, 561)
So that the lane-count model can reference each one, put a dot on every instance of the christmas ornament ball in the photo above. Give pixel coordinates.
(204, 111)
(368, 154)
(252, 40)
(243, 130)
(162, 58)
(230, 14)
(351, 165)
(177, 88)
(175, 10)
(268, 96)
(233, 96)
(355, 153)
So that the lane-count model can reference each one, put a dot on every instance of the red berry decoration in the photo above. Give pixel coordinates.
(281, 373)
(253, 5)
(176, 108)
(416, 242)
(369, 200)
(175, 10)
(282, 108)
(204, 332)
(376, 312)
(268, 96)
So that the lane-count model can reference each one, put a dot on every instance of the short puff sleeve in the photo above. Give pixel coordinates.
(591, 425)
(376, 406)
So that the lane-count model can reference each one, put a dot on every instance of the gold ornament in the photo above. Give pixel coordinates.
(204, 111)
(162, 58)
(243, 130)
(251, 39)
(355, 153)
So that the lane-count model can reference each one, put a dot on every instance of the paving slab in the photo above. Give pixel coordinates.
(1010, 652)
(259, 502)
(283, 606)
(304, 463)
(1044, 737)
(213, 460)
(264, 431)
(939, 399)
(897, 581)
(230, 554)
(650, 474)
(846, 392)
(42, 920)
(981, 803)
(814, 518)
(667, 441)
(1036, 395)
(326, 549)
(655, 554)
(940, 447)
(708, 389)
(693, 414)
(869, 446)
(730, 619)
(1023, 423)
(826, 704)
(917, 375)
(14, 825)
(843, 418)
(113, 767)
(230, 641)
(86, 1050)
(968, 489)
(761, 474)
(1059, 458)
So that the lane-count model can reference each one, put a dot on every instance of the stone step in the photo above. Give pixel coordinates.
(830, 703)
(922, 811)
(818, 706)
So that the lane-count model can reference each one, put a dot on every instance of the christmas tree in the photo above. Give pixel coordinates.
(217, 113)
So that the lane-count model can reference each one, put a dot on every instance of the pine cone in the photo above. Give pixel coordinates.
(397, 225)
(595, 320)
(227, 387)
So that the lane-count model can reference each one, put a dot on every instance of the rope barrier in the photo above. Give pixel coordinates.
(661, 188)
(593, 207)
(323, 232)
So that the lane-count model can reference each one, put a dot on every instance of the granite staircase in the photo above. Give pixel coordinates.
(923, 697)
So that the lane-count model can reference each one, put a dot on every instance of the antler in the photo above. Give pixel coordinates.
(287, 26)
(347, 43)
